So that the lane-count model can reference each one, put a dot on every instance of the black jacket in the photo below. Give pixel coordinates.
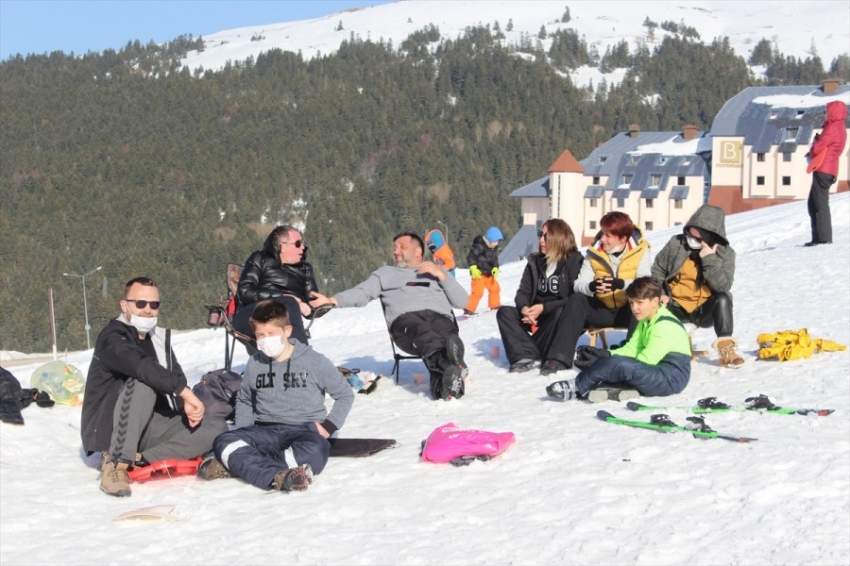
(264, 277)
(119, 354)
(561, 282)
(483, 256)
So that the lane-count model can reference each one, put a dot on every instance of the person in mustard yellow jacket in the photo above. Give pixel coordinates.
(441, 253)
(617, 257)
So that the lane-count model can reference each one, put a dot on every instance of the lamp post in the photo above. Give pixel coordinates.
(447, 229)
(85, 302)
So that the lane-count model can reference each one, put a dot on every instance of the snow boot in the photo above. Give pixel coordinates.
(115, 480)
(293, 479)
(212, 469)
(727, 346)
(562, 390)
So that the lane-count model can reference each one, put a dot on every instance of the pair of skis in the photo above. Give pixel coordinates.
(697, 425)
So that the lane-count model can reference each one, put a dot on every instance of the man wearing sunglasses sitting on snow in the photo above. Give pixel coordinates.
(137, 407)
(278, 272)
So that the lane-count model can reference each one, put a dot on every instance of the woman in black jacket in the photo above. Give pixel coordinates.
(529, 328)
(278, 272)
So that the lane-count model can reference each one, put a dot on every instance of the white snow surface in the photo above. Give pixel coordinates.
(801, 101)
(674, 147)
(795, 27)
(572, 490)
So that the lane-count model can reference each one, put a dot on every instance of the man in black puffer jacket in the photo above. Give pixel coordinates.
(278, 272)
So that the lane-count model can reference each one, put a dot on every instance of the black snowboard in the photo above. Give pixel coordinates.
(358, 447)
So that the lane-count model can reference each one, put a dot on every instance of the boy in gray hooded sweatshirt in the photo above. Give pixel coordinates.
(282, 424)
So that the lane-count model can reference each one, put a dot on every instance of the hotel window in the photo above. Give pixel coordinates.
(654, 180)
(596, 180)
(786, 157)
(800, 114)
(677, 203)
(791, 134)
(760, 157)
(786, 180)
(677, 224)
(627, 179)
(634, 159)
(603, 159)
(621, 203)
(680, 180)
(650, 202)
(773, 114)
(593, 203)
(760, 180)
(592, 224)
(648, 226)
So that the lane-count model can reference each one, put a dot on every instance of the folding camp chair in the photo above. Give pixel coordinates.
(221, 315)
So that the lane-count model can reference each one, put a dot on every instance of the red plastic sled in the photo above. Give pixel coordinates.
(816, 161)
(164, 469)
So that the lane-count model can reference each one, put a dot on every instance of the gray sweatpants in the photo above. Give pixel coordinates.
(137, 428)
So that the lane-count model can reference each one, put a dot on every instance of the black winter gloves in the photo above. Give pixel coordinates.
(613, 282)
(586, 356)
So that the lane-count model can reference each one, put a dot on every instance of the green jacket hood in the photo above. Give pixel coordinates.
(710, 218)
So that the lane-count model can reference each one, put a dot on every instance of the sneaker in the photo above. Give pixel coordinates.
(523, 365)
(562, 390)
(212, 469)
(553, 366)
(602, 394)
(452, 383)
(115, 480)
(727, 346)
(293, 479)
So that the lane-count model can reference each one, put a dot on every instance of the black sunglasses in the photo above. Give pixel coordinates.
(142, 304)
(542, 234)
(296, 243)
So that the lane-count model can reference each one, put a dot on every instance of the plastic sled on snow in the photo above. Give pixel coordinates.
(164, 469)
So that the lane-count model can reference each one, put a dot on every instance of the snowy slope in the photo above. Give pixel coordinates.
(793, 26)
(573, 490)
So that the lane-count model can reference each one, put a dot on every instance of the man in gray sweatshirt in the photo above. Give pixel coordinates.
(282, 425)
(417, 297)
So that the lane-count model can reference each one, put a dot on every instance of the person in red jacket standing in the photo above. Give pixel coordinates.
(831, 140)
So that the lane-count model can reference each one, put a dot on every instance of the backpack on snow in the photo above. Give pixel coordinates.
(217, 390)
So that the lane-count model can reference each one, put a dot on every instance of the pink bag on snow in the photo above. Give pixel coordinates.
(448, 443)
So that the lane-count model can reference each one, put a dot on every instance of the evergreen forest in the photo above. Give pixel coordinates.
(127, 161)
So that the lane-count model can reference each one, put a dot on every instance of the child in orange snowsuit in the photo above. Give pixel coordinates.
(484, 269)
(441, 253)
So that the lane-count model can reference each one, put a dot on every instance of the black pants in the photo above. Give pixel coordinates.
(717, 311)
(519, 342)
(424, 334)
(583, 312)
(242, 316)
(819, 214)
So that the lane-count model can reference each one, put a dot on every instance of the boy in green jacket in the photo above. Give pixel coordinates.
(656, 360)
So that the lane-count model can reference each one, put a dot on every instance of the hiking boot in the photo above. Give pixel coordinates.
(454, 354)
(115, 480)
(452, 383)
(553, 366)
(212, 469)
(727, 346)
(523, 365)
(293, 479)
(562, 390)
(602, 394)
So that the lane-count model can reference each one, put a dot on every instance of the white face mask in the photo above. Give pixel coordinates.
(693, 243)
(143, 324)
(272, 346)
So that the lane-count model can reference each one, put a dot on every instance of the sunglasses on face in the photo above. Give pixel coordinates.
(142, 304)
(296, 243)
(542, 234)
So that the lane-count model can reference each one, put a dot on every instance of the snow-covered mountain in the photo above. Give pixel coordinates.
(573, 490)
(797, 28)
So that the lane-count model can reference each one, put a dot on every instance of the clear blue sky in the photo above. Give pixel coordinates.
(80, 26)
